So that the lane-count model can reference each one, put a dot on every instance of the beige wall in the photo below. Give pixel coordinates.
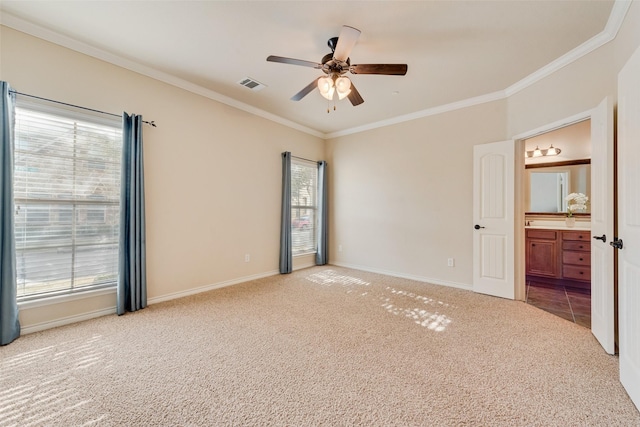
(401, 195)
(213, 173)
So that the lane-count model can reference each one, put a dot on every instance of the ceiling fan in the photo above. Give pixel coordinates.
(335, 65)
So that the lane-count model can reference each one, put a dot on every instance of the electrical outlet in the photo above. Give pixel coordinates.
(247, 257)
(450, 262)
(339, 248)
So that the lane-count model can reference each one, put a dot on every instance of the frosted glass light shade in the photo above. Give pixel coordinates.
(343, 87)
(326, 87)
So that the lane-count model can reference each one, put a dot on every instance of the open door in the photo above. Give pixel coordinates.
(493, 219)
(602, 204)
(628, 242)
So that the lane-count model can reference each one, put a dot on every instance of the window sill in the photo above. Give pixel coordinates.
(57, 299)
(304, 254)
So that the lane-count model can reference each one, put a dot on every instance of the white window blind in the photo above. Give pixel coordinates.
(304, 203)
(67, 197)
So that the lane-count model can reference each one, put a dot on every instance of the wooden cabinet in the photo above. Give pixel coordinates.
(542, 253)
(553, 255)
(576, 256)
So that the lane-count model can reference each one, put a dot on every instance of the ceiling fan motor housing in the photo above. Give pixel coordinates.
(333, 66)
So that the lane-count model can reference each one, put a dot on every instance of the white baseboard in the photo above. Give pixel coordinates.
(464, 286)
(175, 295)
(67, 320)
(112, 310)
(193, 291)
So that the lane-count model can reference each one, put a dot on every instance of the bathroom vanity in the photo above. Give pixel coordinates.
(559, 254)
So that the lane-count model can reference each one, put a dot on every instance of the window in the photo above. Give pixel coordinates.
(304, 204)
(67, 197)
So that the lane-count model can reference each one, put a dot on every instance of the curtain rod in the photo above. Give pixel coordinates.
(302, 158)
(151, 123)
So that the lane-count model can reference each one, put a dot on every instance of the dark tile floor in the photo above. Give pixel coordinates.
(569, 303)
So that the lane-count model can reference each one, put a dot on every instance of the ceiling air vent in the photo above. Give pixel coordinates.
(252, 84)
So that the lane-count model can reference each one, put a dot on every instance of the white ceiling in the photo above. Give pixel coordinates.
(455, 50)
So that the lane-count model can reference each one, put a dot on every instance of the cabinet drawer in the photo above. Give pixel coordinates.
(542, 234)
(576, 235)
(576, 246)
(576, 272)
(576, 258)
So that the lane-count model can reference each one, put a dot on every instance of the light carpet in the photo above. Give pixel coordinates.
(322, 346)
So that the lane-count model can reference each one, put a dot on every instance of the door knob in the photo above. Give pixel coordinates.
(617, 243)
(603, 238)
(477, 227)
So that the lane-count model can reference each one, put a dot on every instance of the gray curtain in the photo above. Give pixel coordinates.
(9, 324)
(132, 269)
(322, 255)
(286, 254)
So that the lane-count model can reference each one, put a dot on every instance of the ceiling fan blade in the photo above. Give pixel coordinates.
(283, 60)
(346, 40)
(386, 69)
(307, 89)
(354, 96)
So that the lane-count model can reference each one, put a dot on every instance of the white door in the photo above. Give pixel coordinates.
(602, 203)
(629, 225)
(493, 211)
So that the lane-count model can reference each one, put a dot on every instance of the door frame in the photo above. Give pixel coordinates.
(519, 213)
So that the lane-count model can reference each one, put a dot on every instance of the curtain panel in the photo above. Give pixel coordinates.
(9, 323)
(322, 255)
(286, 245)
(132, 273)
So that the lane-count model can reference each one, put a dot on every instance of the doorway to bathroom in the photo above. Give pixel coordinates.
(557, 230)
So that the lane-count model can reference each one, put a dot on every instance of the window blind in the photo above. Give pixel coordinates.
(304, 204)
(67, 197)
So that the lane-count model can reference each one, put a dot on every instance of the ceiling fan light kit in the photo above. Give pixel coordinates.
(335, 65)
(328, 86)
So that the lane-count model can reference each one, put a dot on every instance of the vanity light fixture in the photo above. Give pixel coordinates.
(551, 151)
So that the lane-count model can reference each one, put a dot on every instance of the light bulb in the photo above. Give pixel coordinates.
(326, 88)
(343, 86)
(553, 151)
(537, 152)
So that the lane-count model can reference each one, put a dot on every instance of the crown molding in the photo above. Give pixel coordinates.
(615, 21)
(616, 18)
(465, 103)
(21, 25)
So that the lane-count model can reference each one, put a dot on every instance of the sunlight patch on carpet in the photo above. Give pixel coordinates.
(430, 319)
(433, 321)
(45, 397)
(330, 278)
(393, 300)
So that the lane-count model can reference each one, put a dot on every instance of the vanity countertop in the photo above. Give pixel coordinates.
(560, 226)
(557, 225)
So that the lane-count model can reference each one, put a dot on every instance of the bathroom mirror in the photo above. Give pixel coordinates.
(548, 184)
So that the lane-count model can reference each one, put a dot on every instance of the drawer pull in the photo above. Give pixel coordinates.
(581, 259)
